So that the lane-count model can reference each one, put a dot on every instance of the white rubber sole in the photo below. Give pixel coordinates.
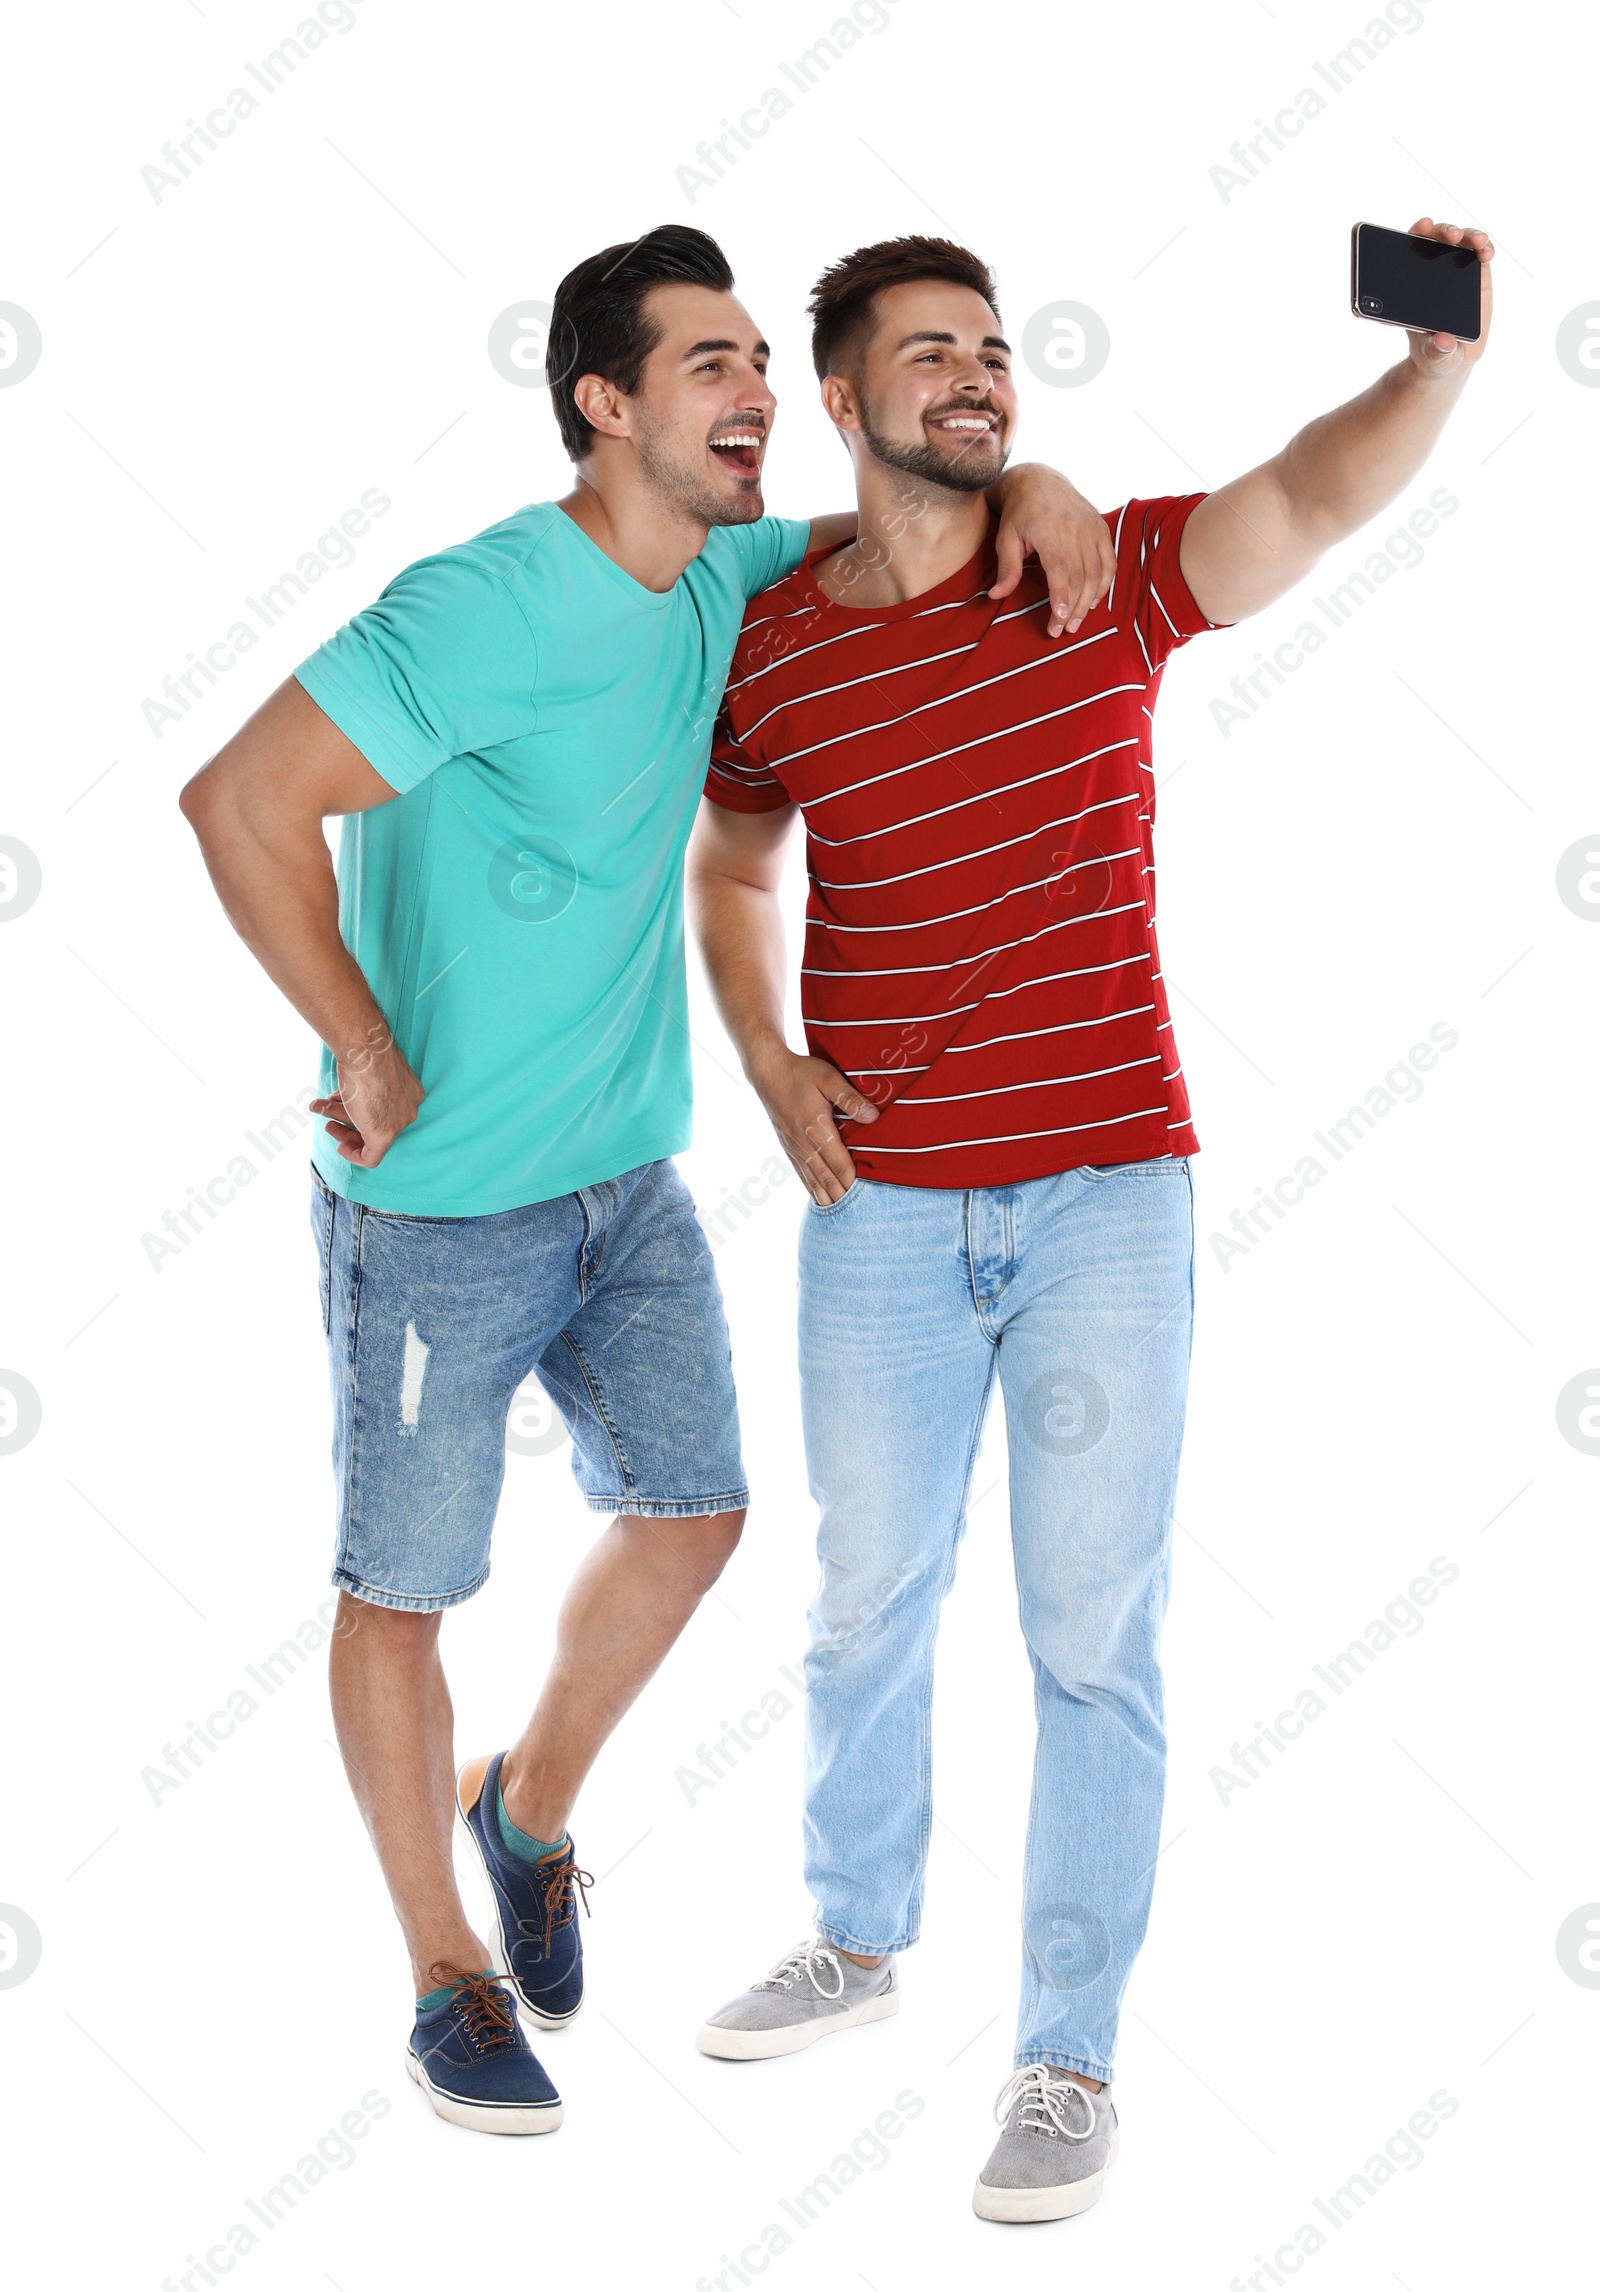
(767, 2044)
(1061, 2203)
(471, 1778)
(480, 2116)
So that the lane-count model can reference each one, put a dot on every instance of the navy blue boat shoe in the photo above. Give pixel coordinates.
(470, 2057)
(534, 1905)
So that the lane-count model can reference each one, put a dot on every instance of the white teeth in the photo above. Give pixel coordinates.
(737, 438)
(960, 422)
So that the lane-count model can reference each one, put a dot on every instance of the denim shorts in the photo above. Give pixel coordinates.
(607, 1295)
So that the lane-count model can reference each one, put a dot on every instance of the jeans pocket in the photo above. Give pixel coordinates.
(832, 1209)
(409, 1217)
(1153, 1166)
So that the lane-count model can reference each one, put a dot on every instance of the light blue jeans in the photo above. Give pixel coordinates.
(1077, 1290)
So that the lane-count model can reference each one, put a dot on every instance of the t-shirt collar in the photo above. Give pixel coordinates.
(974, 579)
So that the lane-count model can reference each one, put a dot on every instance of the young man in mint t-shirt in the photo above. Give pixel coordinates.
(515, 735)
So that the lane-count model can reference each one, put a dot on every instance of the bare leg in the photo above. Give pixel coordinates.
(638, 1586)
(636, 1589)
(391, 1709)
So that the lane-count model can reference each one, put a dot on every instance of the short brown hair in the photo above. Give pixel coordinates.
(842, 300)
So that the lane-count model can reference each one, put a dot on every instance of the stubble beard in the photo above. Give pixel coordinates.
(684, 490)
(969, 471)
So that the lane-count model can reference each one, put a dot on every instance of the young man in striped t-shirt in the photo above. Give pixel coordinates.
(994, 1129)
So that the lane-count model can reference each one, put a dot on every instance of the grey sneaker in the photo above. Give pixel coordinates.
(1051, 2159)
(808, 1994)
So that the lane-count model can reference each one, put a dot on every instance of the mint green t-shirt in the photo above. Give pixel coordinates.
(518, 909)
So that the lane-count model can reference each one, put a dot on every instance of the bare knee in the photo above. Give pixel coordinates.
(706, 1544)
(365, 1632)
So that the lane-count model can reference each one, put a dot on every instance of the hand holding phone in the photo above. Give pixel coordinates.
(1433, 280)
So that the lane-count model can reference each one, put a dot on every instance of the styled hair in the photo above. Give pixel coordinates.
(842, 304)
(598, 322)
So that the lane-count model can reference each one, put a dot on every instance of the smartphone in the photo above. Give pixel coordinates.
(1420, 284)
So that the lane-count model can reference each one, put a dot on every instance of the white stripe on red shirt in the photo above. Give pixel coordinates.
(1026, 802)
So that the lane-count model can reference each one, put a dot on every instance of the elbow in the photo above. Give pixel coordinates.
(197, 800)
(192, 799)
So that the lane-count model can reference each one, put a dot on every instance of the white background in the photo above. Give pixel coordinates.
(1375, 1382)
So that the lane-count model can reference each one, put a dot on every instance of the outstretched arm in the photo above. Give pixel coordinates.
(735, 863)
(1255, 539)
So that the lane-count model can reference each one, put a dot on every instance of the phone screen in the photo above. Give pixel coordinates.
(1421, 283)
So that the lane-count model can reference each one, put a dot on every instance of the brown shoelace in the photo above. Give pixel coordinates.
(488, 2014)
(562, 1894)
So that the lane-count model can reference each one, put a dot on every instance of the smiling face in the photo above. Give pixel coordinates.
(932, 392)
(703, 413)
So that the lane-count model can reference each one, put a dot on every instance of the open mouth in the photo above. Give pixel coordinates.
(739, 450)
(964, 425)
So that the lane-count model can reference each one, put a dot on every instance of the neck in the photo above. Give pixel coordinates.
(649, 536)
(913, 536)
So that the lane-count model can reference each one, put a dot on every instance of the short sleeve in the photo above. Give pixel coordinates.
(443, 665)
(1150, 594)
(738, 781)
(766, 550)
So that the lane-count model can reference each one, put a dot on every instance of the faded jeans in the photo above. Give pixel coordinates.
(1077, 1290)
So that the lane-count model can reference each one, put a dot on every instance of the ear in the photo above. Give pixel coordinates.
(840, 404)
(602, 405)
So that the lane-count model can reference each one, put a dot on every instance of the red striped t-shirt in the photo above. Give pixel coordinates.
(980, 950)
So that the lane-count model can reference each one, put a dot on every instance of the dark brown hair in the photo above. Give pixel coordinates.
(842, 300)
(598, 323)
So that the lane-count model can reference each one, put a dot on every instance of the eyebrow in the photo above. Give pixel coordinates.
(698, 349)
(932, 334)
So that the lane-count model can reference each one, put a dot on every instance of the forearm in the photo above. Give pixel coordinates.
(1252, 541)
(1346, 466)
(1021, 475)
(735, 862)
(277, 886)
(740, 933)
(835, 531)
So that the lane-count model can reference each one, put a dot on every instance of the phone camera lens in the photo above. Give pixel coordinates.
(1371, 302)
